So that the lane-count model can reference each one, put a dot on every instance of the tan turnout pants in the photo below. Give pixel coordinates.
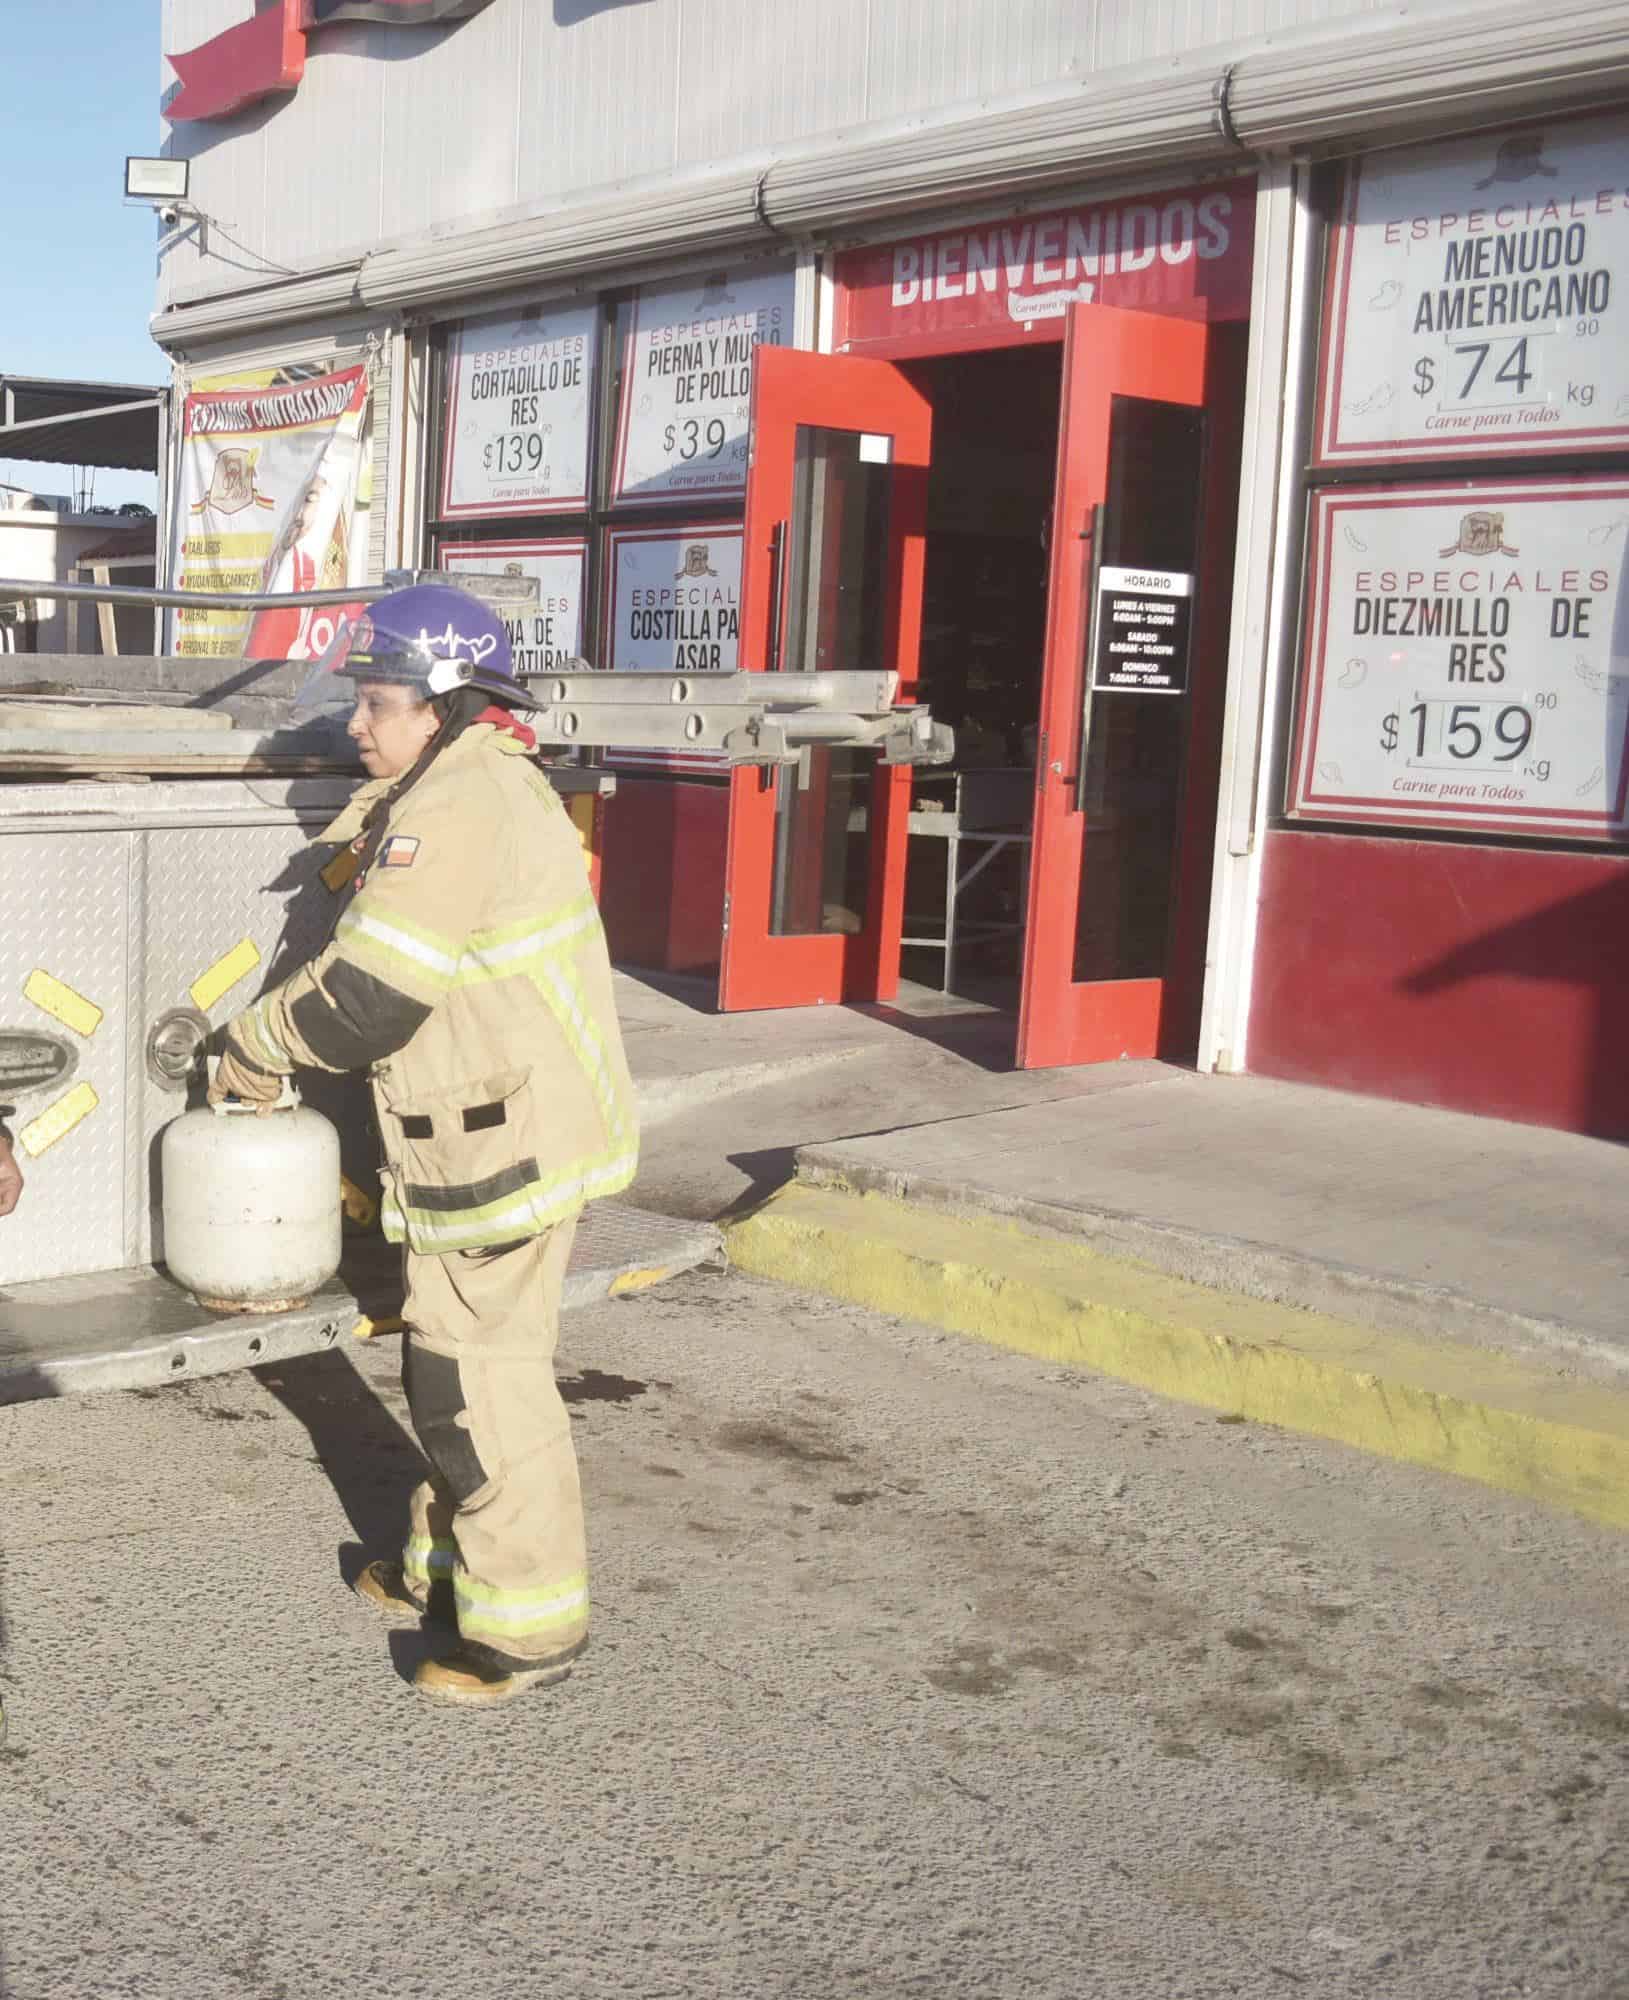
(501, 1514)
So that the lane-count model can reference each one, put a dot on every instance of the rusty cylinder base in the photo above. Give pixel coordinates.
(250, 1305)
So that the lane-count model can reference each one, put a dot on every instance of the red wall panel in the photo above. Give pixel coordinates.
(662, 873)
(1486, 979)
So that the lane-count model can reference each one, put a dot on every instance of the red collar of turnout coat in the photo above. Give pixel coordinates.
(503, 718)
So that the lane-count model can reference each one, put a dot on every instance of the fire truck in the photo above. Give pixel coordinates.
(155, 816)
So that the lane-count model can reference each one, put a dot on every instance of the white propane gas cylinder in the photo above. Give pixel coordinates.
(251, 1205)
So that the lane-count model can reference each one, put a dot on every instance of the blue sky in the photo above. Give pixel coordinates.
(82, 90)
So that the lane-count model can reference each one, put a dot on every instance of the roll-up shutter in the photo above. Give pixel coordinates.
(1335, 90)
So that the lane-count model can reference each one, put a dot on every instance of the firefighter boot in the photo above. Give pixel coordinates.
(471, 1677)
(383, 1585)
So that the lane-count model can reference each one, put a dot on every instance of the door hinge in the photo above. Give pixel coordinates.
(724, 929)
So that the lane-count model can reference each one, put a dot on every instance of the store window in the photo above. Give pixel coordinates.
(601, 446)
(1465, 624)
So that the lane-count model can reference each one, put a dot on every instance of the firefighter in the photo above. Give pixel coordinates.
(467, 972)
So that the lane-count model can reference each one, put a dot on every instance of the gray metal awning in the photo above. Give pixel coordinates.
(80, 423)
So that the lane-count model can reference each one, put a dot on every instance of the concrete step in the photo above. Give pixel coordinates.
(1444, 1404)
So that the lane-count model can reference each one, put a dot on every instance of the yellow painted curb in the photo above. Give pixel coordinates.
(1453, 1407)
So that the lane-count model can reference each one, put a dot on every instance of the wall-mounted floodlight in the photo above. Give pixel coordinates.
(163, 181)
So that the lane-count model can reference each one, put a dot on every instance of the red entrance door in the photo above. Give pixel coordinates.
(1107, 855)
(832, 581)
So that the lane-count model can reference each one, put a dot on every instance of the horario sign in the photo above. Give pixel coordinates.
(265, 54)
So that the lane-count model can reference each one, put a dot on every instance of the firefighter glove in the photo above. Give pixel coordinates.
(235, 1076)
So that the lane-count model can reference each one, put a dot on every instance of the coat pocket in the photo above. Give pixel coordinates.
(464, 1174)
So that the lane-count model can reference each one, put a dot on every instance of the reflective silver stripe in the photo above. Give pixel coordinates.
(588, 1044)
(482, 1606)
(541, 1205)
(389, 938)
(254, 1029)
(513, 950)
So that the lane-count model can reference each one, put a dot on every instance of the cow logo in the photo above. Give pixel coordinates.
(1518, 159)
(1480, 534)
(695, 562)
(232, 483)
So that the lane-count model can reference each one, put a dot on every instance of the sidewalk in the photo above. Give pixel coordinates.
(1438, 1288)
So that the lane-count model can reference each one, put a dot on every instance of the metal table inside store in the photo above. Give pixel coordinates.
(990, 811)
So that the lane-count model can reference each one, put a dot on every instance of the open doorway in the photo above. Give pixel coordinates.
(984, 611)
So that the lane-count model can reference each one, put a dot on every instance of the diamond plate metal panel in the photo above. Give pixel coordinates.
(127, 892)
(208, 888)
(64, 906)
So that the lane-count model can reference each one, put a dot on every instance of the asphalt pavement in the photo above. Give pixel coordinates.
(919, 1668)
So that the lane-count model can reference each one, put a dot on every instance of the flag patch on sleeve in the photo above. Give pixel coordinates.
(401, 850)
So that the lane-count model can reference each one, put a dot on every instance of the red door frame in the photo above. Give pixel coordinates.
(793, 387)
(1108, 352)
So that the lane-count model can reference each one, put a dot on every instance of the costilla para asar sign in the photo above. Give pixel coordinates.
(1478, 298)
(1183, 251)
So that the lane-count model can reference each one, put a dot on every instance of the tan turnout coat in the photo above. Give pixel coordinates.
(468, 974)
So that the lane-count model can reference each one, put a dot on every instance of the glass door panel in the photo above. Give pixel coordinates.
(1115, 695)
(836, 499)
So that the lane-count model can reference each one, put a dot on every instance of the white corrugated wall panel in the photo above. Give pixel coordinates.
(752, 75)
(1157, 28)
(451, 119)
(322, 153)
(228, 162)
(598, 94)
(1433, 66)
(929, 52)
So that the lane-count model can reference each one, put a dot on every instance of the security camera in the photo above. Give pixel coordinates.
(170, 214)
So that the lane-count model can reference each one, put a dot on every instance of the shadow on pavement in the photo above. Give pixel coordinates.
(371, 1460)
(985, 1039)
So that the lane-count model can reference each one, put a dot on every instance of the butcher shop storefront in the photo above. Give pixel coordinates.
(1252, 506)
(1010, 478)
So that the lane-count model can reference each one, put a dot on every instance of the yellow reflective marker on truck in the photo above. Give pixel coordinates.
(58, 1120)
(62, 1003)
(223, 975)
